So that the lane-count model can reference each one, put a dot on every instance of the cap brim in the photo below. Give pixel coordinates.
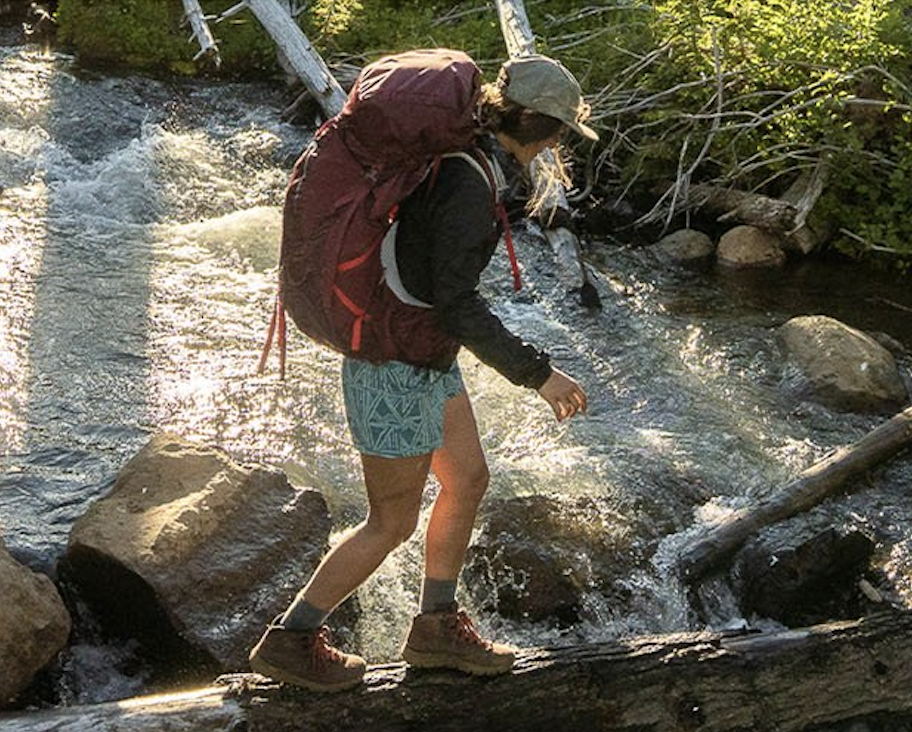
(584, 130)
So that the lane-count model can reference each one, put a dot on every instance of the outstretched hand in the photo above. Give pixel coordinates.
(564, 394)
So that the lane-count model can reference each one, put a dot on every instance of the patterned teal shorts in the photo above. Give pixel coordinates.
(395, 409)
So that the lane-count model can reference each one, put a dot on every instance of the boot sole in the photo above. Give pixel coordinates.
(421, 659)
(264, 668)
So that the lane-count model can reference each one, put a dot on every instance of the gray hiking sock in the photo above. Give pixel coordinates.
(437, 595)
(301, 615)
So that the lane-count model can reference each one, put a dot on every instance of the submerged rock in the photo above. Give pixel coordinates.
(34, 625)
(804, 578)
(842, 367)
(536, 556)
(748, 246)
(190, 547)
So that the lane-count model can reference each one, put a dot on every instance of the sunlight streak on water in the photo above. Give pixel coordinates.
(23, 234)
(20, 262)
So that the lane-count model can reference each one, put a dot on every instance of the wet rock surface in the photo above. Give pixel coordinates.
(193, 551)
(685, 245)
(842, 367)
(805, 576)
(537, 556)
(34, 625)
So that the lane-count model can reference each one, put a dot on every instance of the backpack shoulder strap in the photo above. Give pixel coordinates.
(487, 167)
(490, 170)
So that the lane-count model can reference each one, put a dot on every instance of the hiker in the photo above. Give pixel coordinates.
(407, 420)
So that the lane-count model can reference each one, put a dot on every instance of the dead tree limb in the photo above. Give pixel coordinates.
(302, 57)
(784, 681)
(201, 32)
(786, 216)
(810, 488)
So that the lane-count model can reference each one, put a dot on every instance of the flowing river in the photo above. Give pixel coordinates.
(138, 236)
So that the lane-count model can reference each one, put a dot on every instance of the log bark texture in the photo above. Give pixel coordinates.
(810, 488)
(784, 681)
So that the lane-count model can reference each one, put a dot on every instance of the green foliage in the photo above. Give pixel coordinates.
(131, 33)
(758, 91)
(148, 35)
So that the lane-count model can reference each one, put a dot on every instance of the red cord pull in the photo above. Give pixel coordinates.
(276, 323)
(511, 251)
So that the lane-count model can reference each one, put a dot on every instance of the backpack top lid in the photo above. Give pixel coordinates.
(410, 107)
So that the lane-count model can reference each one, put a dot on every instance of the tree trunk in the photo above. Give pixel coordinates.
(514, 25)
(784, 681)
(803, 493)
(301, 55)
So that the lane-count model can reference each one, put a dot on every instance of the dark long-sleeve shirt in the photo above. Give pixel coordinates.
(447, 234)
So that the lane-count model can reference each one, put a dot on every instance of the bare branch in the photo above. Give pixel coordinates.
(201, 32)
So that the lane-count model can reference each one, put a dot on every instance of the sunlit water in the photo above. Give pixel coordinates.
(139, 224)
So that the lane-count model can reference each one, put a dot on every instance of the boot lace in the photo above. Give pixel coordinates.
(465, 630)
(323, 652)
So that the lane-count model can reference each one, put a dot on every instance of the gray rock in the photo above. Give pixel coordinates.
(748, 246)
(190, 543)
(34, 625)
(686, 245)
(843, 368)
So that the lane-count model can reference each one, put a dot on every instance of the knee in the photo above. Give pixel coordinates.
(472, 484)
(394, 530)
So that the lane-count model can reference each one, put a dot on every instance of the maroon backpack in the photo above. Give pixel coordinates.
(404, 112)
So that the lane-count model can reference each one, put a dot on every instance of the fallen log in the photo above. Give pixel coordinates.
(810, 488)
(786, 216)
(784, 681)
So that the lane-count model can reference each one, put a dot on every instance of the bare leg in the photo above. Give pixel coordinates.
(461, 468)
(394, 489)
(445, 636)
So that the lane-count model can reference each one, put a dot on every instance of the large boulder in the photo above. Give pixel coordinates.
(34, 625)
(536, 557)
(748, 246)
(191, 548)
(842, 367)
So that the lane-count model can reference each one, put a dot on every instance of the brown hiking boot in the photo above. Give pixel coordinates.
(306, 658)
(448, 639)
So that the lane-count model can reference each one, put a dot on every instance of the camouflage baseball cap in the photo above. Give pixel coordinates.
(546, 86)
